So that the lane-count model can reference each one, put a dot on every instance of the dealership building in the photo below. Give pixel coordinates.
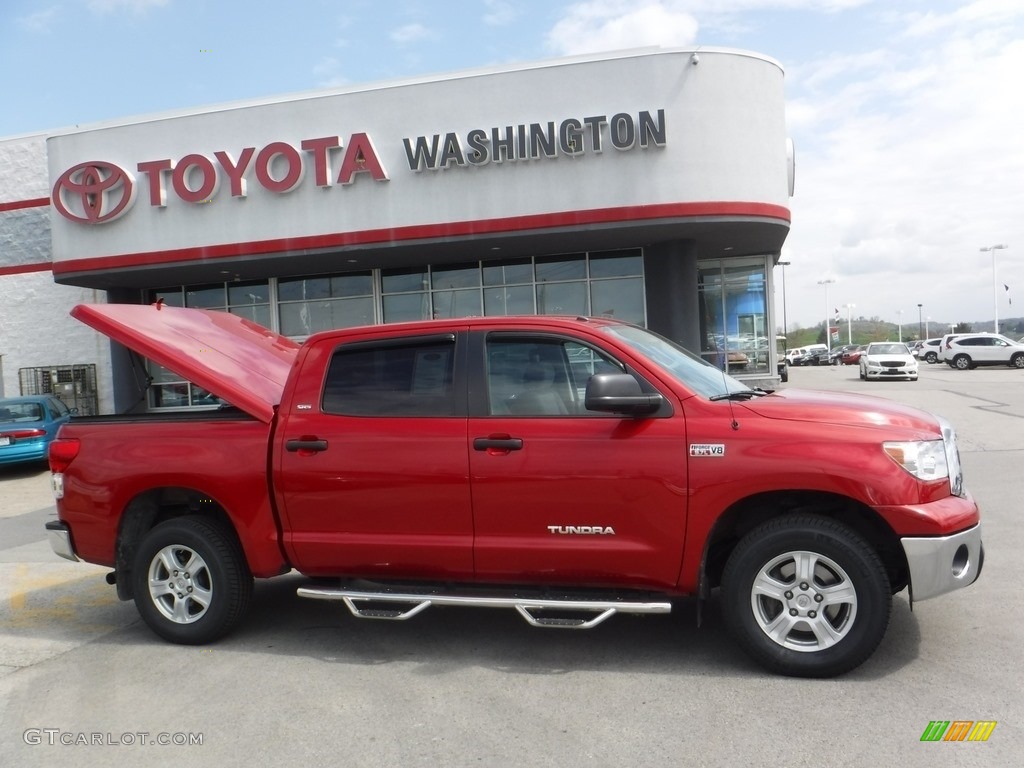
(650, 185)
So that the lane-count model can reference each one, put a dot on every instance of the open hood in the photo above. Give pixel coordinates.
(234, 358)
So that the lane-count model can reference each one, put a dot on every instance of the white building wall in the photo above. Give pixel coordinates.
(35, 328)
(38, 332)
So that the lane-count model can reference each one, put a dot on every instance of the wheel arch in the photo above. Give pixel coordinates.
(150, 508)
(746, 514)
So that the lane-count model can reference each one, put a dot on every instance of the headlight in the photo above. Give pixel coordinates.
(924, 459)
(930, 459)
(956, 475)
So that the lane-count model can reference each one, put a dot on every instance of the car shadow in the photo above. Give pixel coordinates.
(443, 639)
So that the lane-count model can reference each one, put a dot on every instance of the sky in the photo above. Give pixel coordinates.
(907, 116)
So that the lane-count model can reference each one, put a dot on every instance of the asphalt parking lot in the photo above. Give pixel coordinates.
(302, 683)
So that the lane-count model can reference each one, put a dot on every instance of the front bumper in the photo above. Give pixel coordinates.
(60, 539)
(891, 373)
(940, 564)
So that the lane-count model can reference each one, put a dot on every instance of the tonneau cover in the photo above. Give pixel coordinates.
(235, 359)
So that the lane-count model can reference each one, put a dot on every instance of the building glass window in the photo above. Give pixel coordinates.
(607, 283)
(172, 297)
(250, 300)
(509, 300)
(405, 295)
(311, 304)
(518, 272)
(455, 291)
(733, 311)
(206, 296)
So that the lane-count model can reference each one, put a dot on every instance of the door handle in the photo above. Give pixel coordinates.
(310, 444)
(497, 444)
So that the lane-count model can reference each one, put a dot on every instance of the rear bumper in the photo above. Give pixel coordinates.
(59, 536)
(24, 451)
(941, 564)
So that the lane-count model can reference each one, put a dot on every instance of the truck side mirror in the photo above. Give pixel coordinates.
(620, 393)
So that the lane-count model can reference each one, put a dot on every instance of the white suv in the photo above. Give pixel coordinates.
(970, 350)
(928, 350)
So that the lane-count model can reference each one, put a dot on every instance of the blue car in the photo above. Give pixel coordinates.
(28, 426)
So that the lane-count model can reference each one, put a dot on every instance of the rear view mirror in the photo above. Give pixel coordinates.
(620, 393)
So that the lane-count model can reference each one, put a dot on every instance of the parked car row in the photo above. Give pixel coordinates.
(819, 354)
(806, 355)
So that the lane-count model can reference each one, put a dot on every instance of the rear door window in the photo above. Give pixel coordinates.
(409, 377)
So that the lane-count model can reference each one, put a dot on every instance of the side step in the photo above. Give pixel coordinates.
(397, 606)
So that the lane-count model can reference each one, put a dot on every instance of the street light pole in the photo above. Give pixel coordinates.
(849, 323)
(995, 284)
(828, 334)
(899, 315)
(920, 323)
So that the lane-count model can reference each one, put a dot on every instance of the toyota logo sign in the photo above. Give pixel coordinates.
(94, 192)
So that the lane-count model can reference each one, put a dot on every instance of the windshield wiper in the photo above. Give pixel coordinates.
(740, 394)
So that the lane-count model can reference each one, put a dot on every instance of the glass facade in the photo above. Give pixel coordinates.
(607, 284)
(732, 294)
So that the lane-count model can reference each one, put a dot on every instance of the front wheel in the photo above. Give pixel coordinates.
(191, 582)
(806, 596)
(1017, 361)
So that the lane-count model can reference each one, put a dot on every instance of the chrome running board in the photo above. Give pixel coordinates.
(397, 606)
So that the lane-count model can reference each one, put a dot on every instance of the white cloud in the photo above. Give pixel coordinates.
(603, 25)
(328, 73)
(914, 163)
(135, 6)
(411, 33)
(499, 13)
(982, 11)
(40, 21)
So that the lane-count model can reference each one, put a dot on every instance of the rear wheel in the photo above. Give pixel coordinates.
(931, 358)
(191, 582)
(961, 362)
(806, 596)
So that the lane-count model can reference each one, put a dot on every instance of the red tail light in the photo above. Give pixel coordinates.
(24, 434)
(62, 453)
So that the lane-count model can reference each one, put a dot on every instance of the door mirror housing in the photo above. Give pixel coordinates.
(620, 393)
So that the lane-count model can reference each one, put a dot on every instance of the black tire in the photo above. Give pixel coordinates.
(931, 358)
(846, 575)
(863, 376)
(203, 603)
(1017, 361)
(961, 362)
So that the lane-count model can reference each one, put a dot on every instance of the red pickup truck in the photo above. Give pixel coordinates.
(570, 468)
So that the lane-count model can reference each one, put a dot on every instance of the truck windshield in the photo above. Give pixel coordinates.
(696, 374)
